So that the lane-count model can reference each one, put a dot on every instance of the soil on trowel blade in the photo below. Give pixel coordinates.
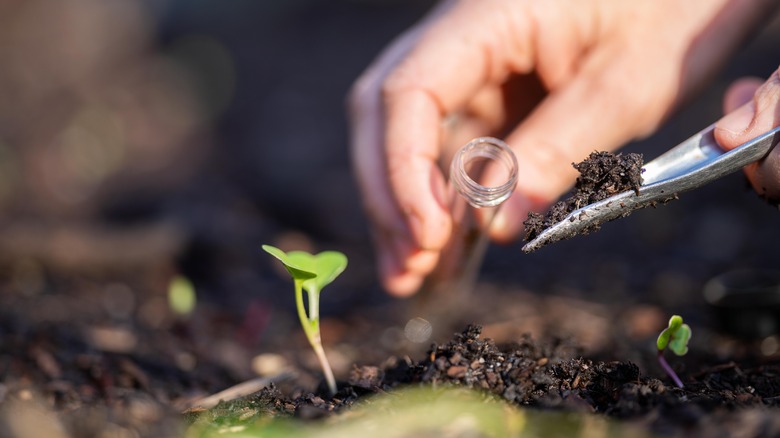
(602, 174)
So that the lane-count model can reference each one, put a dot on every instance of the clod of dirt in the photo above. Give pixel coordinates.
(602, 174)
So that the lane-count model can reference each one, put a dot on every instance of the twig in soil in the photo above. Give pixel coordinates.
(237, 391)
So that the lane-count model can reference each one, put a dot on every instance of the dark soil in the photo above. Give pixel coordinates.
(602, 174)
(553, 375)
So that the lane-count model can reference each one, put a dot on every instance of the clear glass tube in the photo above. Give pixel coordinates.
(482, 175)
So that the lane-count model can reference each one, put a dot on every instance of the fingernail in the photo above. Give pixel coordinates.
(737, 121)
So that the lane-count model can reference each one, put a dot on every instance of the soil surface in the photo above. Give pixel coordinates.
(553, 375)
(602, 174)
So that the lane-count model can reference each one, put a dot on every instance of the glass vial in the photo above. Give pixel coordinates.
(482, 175)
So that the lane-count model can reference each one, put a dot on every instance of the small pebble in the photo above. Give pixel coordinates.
(269, 364)
(457, 372)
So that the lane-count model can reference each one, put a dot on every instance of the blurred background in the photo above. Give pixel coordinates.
(137, 132)
(140, 140)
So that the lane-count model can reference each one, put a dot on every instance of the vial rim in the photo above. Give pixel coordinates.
(476, 194)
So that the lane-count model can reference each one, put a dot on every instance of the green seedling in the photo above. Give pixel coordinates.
(181, 296)
(676, 337)
(312, 273)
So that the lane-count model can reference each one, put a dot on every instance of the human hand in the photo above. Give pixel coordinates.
(558, 79)
(752, 107)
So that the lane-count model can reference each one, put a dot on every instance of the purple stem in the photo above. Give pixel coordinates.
(668, 369)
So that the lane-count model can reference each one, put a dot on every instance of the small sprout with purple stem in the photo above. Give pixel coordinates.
(676, 337)
(312, 273)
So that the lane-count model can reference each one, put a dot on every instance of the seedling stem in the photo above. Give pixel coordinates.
(312, 273)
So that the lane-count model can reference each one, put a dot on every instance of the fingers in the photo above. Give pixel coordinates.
(367, 129)
(750, 115)
(412, 140)
(450, 64)
(397, 112)
(600, 109)
(403, 267)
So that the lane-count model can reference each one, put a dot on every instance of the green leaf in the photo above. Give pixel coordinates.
(675, 336)
(298, 272)
(663, 339)
(326, 266)
(181, 295)
(312, 273)
(679, 342)
(675, 322)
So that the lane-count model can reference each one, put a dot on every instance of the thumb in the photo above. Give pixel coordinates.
(759, 112)
(740, 107)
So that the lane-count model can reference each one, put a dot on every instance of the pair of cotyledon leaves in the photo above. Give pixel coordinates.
(315, 271)
(675, 336)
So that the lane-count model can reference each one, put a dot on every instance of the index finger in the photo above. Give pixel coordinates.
(457, 55)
